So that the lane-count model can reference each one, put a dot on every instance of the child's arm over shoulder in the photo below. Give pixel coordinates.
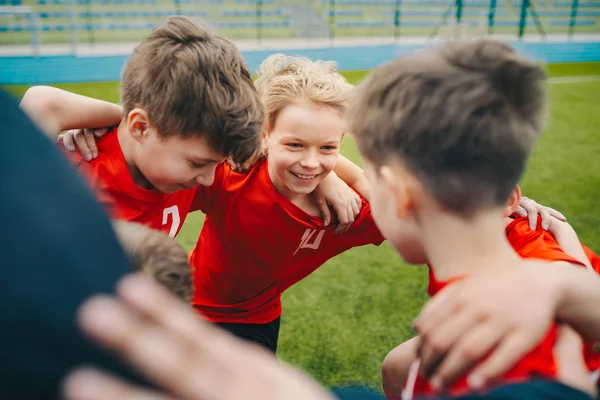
(567, 239)
(353, 175)
(514, 308)
(55, 110)
(396, 366)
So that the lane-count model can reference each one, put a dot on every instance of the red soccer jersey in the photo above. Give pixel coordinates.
(541, 244)
(592, 357)
(593, 257)
(110, 179)
(539, 362)
(255, 243)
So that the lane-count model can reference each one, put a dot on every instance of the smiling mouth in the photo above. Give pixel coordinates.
(304, 177)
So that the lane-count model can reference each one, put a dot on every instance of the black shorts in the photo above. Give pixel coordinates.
(265, 335)
(532, 390)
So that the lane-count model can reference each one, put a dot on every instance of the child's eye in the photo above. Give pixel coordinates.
(328, 148)
(294, 145)
(196, 165)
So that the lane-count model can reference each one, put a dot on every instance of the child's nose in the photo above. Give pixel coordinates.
(310, 162)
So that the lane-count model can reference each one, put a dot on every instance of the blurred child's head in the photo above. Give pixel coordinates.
(189, 102)
(447, 130)
(304, 103)
(158, 256)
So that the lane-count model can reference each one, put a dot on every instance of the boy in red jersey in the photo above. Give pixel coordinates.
(189, 102)
(558, 244)
(262, 233)
(179, 125)
(439, 186)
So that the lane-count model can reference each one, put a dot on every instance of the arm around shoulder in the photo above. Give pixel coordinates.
(55, 110)
(578, 298)
(567, 239)
(353, 175)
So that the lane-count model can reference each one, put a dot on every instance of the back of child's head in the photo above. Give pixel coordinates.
(462, 118)
(192, 82)
(283, 80)
(158, 256)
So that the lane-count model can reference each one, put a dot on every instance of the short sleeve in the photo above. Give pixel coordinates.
(363, 230)
(538, 243)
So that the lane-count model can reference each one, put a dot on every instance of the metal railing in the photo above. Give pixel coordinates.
(74, 23)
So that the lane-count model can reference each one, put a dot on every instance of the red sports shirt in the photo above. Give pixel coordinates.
(110, 179)
(539, 362)
(592, 357)
(255, 244)
(541, 244)
(593, 257)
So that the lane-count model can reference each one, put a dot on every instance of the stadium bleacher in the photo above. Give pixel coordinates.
(129, 20)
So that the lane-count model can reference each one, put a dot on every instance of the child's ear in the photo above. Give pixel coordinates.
(138, 124)
(400, 190)
(264, 143)
(513, 202)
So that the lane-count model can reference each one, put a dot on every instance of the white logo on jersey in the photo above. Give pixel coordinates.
(308, 235)
(174, 211)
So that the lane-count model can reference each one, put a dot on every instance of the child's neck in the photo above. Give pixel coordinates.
(306, 202)
(456, 246)
(128, 148)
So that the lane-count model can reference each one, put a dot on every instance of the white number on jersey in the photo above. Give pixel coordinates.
(176, 221)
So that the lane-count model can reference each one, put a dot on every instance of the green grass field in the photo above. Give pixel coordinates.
(339, 323)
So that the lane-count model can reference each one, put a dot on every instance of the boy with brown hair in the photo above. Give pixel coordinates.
(156, 255)
(558, 244)
(263, 232)
(440, 185)
(189, 102)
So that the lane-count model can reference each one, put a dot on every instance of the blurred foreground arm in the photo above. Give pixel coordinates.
(53, 257)
(185, 357)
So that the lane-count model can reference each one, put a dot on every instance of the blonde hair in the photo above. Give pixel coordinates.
(283, 79)
(155, 254)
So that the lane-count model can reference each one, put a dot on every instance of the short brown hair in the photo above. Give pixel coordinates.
(462, 117)
(158, 256)
(193, 82)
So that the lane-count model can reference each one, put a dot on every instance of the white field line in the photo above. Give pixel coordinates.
(574, 79)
